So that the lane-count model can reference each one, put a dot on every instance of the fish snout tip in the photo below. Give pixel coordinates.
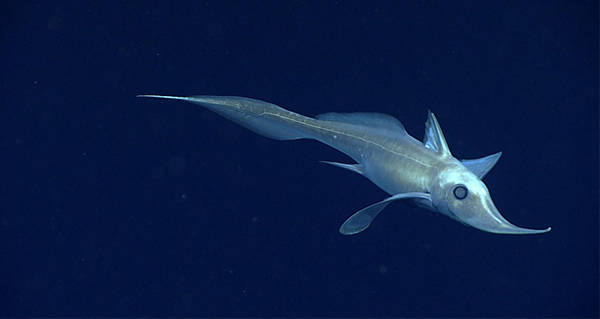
(515, 230)
(547, 229)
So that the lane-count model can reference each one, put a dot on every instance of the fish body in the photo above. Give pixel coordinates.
(404, 167)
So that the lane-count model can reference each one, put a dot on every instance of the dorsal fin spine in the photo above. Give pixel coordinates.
(434, 137)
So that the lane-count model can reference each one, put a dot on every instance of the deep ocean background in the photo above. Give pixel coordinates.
(118, 206)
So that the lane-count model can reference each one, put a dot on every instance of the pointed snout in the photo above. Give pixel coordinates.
(490, 220)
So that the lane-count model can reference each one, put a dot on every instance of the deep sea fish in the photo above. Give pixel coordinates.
(425, 172)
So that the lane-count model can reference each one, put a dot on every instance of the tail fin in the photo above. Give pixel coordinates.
(258, 116)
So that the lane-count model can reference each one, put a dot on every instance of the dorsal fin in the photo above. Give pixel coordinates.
(434, 137)
(377, 121)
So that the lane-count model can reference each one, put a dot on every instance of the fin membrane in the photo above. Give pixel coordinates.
(482, 166)
(434, 137)
(361, 220)
(357, 168)
(379, 122)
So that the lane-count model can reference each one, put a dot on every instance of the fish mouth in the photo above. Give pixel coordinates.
(493, 222)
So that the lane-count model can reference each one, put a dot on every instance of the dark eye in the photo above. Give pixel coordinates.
(460, 192)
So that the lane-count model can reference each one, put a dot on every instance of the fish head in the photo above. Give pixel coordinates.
(460, 194)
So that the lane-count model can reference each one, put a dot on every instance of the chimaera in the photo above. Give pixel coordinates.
(425, 173)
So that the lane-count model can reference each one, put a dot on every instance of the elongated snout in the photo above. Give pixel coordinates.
(490, 220)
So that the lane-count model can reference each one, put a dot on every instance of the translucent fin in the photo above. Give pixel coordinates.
(361, 220)
(482, 166)
(377, 121)
(434, 137)
(357, 168)
(249, 113)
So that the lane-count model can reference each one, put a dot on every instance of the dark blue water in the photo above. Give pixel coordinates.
(113, 205)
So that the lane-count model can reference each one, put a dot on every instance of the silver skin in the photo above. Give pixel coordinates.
(423, 172)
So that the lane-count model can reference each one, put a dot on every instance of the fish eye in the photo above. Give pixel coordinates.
(460, 192)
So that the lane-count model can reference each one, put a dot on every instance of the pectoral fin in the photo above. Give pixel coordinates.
(360, 220)
(482, 166)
